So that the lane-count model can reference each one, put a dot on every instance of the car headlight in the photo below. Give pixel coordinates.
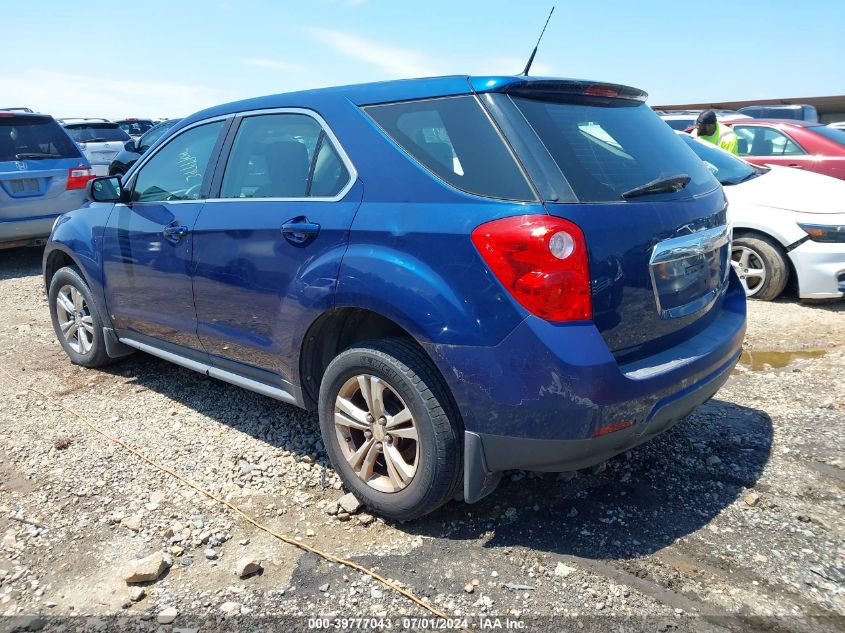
(824, 232)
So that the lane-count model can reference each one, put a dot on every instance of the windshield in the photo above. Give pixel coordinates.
(831, 133)
(728, 169)
(96, 132)
(155, 133)
(33, 138)
(136, 127)
(605, 148)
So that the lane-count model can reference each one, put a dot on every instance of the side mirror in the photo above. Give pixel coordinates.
(105, 189)
(130, 145)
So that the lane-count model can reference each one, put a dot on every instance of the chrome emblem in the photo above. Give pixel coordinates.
(21, 165)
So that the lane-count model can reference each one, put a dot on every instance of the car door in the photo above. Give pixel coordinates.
(764, 145)
(147, 243)
(268, 250)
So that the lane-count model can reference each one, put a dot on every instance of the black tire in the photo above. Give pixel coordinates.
(96, 356)
(770, 256)
(411, 376)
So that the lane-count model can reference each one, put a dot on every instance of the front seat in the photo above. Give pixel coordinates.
(762, 147)
(287, 166)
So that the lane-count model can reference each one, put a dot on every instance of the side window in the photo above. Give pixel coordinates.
(176, 172)
(282, 155)
(454, 139)
(766, 141)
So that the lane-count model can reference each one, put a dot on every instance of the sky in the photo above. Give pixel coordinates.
(167, 59)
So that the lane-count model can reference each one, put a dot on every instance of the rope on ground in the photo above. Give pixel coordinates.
(285, 539)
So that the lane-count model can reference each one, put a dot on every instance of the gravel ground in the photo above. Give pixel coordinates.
(731, 521)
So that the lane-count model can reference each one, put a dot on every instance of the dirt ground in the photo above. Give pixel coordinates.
(731, 521)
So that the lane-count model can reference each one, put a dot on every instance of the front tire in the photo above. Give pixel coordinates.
(76, 319)
(390, 430)
(761, 267)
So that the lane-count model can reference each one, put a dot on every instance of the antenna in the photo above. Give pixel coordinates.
(534, 52)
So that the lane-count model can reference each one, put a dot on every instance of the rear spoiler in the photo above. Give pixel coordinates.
(537, 88)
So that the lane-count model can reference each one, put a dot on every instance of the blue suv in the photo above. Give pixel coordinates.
(461, 275)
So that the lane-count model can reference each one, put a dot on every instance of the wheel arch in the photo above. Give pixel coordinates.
(777, 243)
(341, 328)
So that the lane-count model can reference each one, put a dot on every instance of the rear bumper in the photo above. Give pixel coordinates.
(820, 268)
(26, 230)
(546, 397)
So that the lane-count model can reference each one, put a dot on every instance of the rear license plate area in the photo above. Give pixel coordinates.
(689, 272)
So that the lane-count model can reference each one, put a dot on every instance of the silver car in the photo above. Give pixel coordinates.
(99, 139)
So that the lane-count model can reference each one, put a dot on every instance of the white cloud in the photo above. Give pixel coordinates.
(395, 61)
(79, 95)
(272, 64)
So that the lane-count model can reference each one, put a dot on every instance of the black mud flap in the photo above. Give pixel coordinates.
(478, 480)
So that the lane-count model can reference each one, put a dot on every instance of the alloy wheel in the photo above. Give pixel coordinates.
(377, 433)
(750, 268)
(75, 320)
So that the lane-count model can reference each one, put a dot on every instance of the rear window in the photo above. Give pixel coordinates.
(607, 147)
(831, 133)
(135, 127)
(96, 132)
(454, 139)
(33, 138)
(680, 124)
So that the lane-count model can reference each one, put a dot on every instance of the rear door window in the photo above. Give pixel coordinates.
(33, 138)
(607, 147)
(454, 139)
(284, 155)
(96, 132)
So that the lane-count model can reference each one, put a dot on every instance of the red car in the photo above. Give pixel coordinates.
(801, 144)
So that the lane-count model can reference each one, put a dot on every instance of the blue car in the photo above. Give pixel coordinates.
(461, 275)
(42, 175)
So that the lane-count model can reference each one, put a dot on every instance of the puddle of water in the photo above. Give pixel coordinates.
(757, 360)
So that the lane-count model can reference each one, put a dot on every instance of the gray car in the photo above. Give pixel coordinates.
(42, 174)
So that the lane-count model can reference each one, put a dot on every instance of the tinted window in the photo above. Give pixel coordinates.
(176, 172)
(155, 133)
(607, 147)
(454, 139)
(135, 127)
(282, 156)
(836, 135)
(765, 141)
(728, 169)
(31, 138)
(96, 132)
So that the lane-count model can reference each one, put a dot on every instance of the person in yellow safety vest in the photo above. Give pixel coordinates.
(708, 128)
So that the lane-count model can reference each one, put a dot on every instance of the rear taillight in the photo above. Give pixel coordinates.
(599, 90)
(542, 261)
(78, 177)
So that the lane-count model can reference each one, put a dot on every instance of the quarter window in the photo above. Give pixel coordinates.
(283, 156)
(454, 139)
(765, 141)
(176, 172)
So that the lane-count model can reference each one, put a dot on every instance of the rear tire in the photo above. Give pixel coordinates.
(760, 265)
(390, 430)
(76, 319)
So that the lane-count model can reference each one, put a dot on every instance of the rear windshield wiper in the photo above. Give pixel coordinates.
(661, 185)
(33, 155)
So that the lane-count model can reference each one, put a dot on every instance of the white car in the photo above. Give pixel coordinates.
(99, 139)
(785, 222)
